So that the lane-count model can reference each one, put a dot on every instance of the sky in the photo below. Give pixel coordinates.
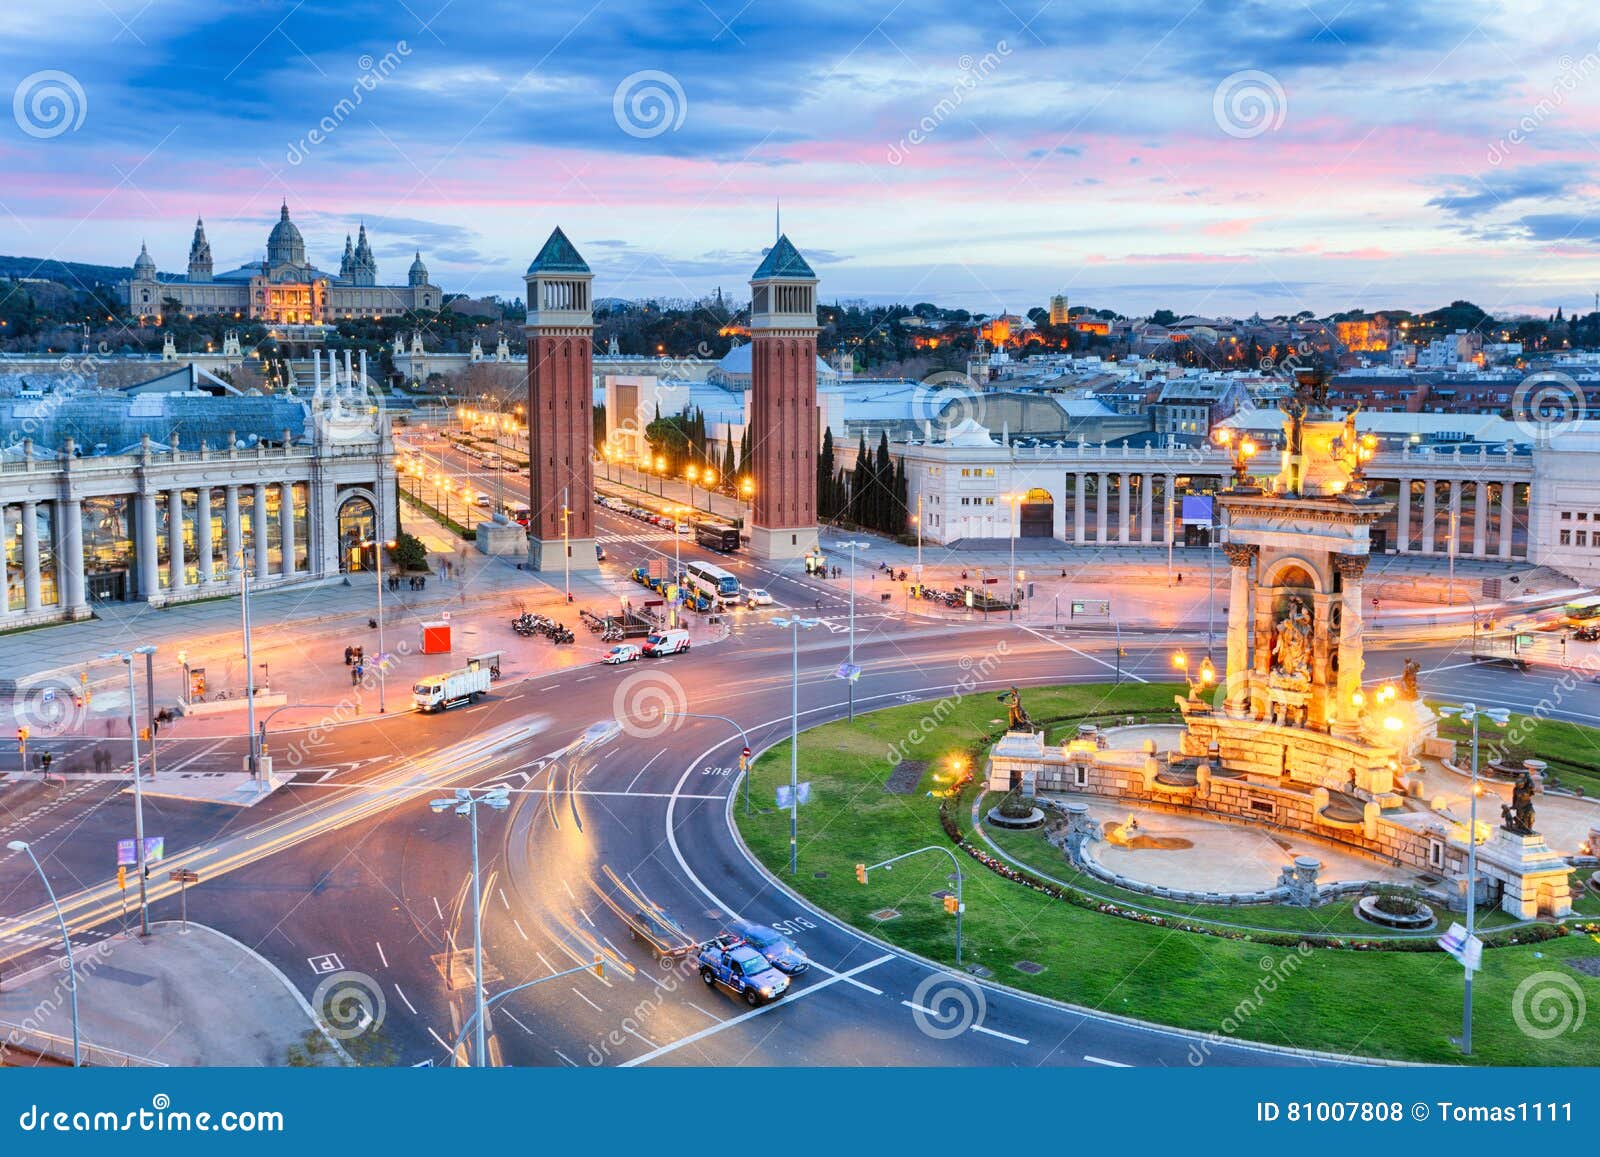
(1218, 158)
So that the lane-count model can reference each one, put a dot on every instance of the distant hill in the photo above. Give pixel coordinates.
(74, 274)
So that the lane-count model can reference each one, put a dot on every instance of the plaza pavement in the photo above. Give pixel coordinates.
(195, 998)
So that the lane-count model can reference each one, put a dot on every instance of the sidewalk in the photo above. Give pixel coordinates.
(196, 999)
(298, 641)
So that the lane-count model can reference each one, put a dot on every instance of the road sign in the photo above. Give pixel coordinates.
(1095, 607)
(1467, 949)
(990, 581)
(850, 671)
(183, 876)
(786, 798)
(154, 849)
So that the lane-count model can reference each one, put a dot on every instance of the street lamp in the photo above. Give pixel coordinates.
(916, 520)
(464, 803)
(1470, 713)
(1011, 501)
(690, 474)
(850, 683)
(138, 786)
(794, 624)
(72, 969)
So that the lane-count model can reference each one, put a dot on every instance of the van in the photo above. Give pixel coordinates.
(666, 643)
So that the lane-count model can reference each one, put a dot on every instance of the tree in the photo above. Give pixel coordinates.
(408, 552)
(1163, 317)
(825, 508)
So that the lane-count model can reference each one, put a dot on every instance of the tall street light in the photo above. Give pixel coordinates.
(794, 624)
(254, 758)
(138, 790)
(850, 683)
(1470, 713)
(465, 803)
(1011, 501)
(72, 969)
(383, 546)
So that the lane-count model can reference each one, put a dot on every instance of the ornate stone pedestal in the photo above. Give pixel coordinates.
(1536, 881)
(1015, 760)
(499, 537)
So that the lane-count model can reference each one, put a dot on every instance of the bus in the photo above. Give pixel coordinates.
(713, 582)
(716, 536)
(1584, 612)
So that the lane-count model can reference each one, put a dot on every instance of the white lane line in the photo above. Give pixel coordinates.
(406, 999)
(568, 887)
(641, 1036)
(566, 1058)
(701, 1011)
(865, 987)
(591, 792)
(515, 1021)
(1108, 1064)
(586, 678)
(587, 1001)
(382, 957)
(644, 769)
(1002, 1035)
(518, 927)
(503, 899)
(710, 1030)
(436, 907)
(444, 1044)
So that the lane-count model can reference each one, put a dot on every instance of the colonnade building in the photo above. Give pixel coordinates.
(1498, 499)
(159, 495)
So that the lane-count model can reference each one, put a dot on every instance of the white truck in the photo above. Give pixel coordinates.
(437, 692)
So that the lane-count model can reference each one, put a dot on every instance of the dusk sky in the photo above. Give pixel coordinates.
(1222, 158)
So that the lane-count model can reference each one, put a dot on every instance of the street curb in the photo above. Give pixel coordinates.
(305, 1005)
(1081, 1010)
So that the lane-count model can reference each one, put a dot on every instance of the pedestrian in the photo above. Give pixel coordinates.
(355, 675)
(348, 652)
(1180, 578)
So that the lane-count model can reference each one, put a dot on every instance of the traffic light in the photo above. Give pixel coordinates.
(600, 967)
(22, 735)
(952, 905)
(744, 760)
(861, 873)
(122, 878)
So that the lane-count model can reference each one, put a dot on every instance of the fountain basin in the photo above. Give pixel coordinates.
(1420, 918)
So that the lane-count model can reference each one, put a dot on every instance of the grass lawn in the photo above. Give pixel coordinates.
(1401, 1005)
(1571, 750)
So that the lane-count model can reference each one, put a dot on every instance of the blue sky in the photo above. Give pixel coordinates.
(1222, 157)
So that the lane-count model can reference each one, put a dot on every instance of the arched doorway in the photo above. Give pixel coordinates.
(358, 531)
(1037, 514)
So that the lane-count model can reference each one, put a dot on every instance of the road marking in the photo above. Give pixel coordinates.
(1109, 1064)
(436, 907)
(710, 1030)
(858, 983)
(566, 1058)
(644, 769)
(641, 1036)
(382, 957)
(503, 899)
(711, 1015)
(406, 999)
(444, 1044)
(629, 794)
(1002, 1035)
(587, 1001)
(518, 927)
(1119, 667)
(515, 1021)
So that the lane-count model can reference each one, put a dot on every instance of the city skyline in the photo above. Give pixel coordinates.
(1223, 160)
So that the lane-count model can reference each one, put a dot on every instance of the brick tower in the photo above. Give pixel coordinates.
(560, 330)
(783, 384)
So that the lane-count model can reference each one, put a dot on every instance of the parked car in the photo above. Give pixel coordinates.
(622, 653)
(779, 950)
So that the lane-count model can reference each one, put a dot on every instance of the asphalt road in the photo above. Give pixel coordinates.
(347, 870)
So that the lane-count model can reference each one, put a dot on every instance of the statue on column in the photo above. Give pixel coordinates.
(1018, 719)
(1408, 680)
(1291, 647)
(1518, 814)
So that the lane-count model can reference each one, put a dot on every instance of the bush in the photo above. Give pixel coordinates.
(408, 553)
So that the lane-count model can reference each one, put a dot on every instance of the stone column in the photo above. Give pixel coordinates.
(202, 532)
(178, 570)
(69, 558)
(30, 555)
(1480, 517)
(1123, 503)
(1403, 530)
(1147, 501)
(1453, 522)
(286, 526)
(1317, 713)
(5, 567)
(1507, 495)
(258, 533)
(1101, 503)
(1237, 671)
(1078, 504)
(1430, 534)
(149, 553)
(1351, 661)
(233, 533)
